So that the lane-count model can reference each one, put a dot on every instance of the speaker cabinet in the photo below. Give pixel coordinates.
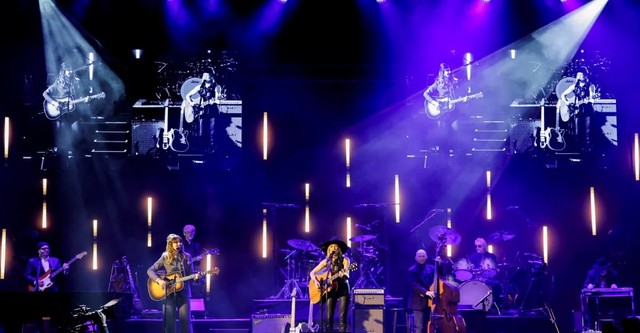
(144, 135)
(523, 135)
(367, 320)
(270, 323)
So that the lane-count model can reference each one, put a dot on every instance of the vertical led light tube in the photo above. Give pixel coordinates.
(348, 231)
(347, 153)
(264, 233)
(489, 208)
(3, 253)
(592, 206)
(449, 247)
(545, 244)
(149, 219)
(397, 197)
(265, 136)
(95, 245)
(43, 222)
(6, 138)
(307, 222)
(636, 156)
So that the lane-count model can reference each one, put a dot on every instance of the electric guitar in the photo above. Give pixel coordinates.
(309, 326)
(206, 252)
(44, 281)
(446, 105)
(292, 324)
(315, 292)
(66, 105)
(178, 137)
(174, 283)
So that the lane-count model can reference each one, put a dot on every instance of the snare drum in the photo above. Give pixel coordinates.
(489, 268)
(475, 294)
(462, 270)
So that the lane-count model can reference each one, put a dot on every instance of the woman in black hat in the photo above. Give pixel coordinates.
(331, 278)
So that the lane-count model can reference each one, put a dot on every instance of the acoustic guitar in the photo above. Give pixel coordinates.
(446, 105)
(66, 105)
(174, 283)
(315, 292)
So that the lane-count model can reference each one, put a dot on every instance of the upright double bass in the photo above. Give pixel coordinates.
(444, 305)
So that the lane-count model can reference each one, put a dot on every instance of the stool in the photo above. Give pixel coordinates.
(408, 319)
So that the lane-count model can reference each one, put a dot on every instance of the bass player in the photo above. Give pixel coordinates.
(338, 291)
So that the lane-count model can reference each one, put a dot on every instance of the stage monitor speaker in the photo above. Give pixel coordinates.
(270, 323)
(367, 320)
(144, 135)
(523, 135)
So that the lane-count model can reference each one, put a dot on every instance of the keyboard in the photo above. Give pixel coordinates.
(608, 292)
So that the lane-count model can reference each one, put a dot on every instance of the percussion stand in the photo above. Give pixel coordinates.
(290, 283)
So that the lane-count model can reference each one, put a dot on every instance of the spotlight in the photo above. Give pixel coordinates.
(137, 53)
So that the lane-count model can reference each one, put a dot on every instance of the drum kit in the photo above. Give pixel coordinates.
(299, 262)
(370, 267)
(496, 286)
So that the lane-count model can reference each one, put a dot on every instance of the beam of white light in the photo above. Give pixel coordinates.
(636, 156)
(541, 55)
(6, 137)
(149, 219)
(265, 136)
(397, 197)
(348, 231)
(545, 244)
(264, 233)
(592, 210)
(3, 253)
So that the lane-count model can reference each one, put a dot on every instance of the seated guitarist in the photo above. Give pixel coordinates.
(437, 95)
(580, 108)
(336, 265)
(175, 262)
(205, 108)
(39, 267)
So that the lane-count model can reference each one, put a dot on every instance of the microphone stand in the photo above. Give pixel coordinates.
(324, 286)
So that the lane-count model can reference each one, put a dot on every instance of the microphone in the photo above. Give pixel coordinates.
(332, 253)
(363, 226)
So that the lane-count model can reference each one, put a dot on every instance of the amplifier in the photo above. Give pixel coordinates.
(270, 323)
(368, 297)
(367, 320)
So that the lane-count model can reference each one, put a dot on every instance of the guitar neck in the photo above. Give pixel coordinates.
(57, 271)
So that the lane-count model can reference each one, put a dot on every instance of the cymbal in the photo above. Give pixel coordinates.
(302, 244)
(441, 232)
(501, 236)
(362, 238)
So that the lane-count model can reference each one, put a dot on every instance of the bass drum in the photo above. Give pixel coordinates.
(563, 84)
(188, 85)
(472, 294)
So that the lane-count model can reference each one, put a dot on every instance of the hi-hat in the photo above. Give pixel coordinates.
(362, 238)
(302, 244)
(501, 236)
(440, 233)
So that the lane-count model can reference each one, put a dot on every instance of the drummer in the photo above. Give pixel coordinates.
(481, 259)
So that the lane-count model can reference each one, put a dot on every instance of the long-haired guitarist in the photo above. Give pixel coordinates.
(39, 269)
(173, 264)
(202, 106)
(334, 267)
(578, 99)
(438, 105)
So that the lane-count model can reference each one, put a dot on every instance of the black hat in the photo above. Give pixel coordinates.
(343, 246)
(41, 245)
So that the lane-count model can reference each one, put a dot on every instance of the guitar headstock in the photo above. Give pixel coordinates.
(81, 255)
(353, 266)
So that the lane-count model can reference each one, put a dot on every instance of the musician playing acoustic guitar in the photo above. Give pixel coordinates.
(437, 104)
(579, 98)
(175, 263)
(337, 267)
(202, 102)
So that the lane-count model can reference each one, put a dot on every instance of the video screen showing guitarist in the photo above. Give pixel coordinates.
(330, 283)
(438, 106)
(39, 269)
(202, 106)
(577, 107)
(61, 99)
